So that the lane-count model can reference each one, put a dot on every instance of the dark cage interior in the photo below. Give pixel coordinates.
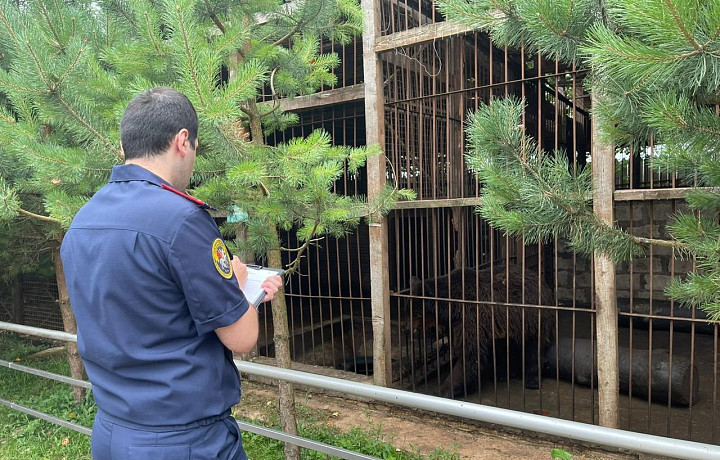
(329, 299)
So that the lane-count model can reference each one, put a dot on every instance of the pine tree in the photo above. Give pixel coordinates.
(654, 67)
(54, 147)
(68, 70)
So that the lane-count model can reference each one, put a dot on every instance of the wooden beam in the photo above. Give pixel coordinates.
(330, 97)
(420, 34)
(445, 203)
(652, 194)
(619, 195)
(378, 228)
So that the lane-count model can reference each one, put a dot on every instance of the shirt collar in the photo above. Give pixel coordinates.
(133, 172)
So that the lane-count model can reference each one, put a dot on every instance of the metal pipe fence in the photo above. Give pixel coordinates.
(64, 336)
(611, 437)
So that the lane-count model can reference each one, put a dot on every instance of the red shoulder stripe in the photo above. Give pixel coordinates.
(200, 203)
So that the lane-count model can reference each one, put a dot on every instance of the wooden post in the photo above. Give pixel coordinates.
(375, 134)
(603, 173)
(77, 370)
(18, 302)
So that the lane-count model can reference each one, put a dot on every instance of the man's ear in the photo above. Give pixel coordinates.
(181, 141)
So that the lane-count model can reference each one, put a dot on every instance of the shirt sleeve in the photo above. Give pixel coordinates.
(200, 263)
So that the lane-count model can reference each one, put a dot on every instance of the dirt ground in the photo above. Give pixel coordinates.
(415, 431)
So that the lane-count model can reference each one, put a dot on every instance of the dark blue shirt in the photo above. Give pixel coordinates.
(149, 284)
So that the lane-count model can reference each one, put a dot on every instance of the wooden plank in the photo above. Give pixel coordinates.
(443, 203)
(378, 228)
(420, 35)
(330, 97)
(652, 194)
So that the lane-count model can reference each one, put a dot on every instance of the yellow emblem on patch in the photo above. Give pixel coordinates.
(221, 259)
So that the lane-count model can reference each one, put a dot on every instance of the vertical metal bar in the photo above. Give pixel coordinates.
(556, 146)
(574, 254)
(435, 144)
(425, 230)
(507, 256)
(433, 234)
(538, 311)
(523, 93)
(398, 219)
(691, 402)
(668, 422)
(631, 319)
(650, 322)
(714, 438)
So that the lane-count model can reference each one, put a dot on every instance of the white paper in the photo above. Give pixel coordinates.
(253, 291)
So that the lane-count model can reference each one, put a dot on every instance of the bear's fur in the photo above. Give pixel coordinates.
(473, 335)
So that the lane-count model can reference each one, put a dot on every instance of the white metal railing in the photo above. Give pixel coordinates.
(577, 431)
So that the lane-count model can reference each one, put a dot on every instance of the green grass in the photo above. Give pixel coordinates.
(23, 437)
(26, 438)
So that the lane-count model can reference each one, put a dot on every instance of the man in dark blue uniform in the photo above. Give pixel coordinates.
(158, 299)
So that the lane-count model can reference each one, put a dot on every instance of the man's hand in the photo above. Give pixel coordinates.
(271, 285)
(241, 272)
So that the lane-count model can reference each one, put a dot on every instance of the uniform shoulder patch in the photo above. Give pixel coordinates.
(221, 259)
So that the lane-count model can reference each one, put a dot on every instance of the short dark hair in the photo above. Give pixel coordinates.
(152, 119)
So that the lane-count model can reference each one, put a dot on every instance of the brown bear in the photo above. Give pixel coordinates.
(474, 335)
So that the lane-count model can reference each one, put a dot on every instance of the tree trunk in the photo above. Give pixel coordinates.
(77, 371)
(281, 331)
(603, 172)
(281, 336)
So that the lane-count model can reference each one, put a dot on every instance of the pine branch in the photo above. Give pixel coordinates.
(674, 244)
(39, 216)
(293, 266)
(645, 57)
(70, 68)
(124, 13)
(87, 126)
(214, 16)
(51, 26)
(39, 66)
(8, 27)
(189, 55)
(560, 33)
(22, 88)
(150, 33)
(676, 16)
(712, 39)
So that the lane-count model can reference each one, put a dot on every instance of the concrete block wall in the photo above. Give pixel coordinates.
(643, 278)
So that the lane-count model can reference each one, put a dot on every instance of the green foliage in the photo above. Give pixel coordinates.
(291, 186)
(556, 27)
(68, 70)
(533, 193)
(654, 66)
(561, 454)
